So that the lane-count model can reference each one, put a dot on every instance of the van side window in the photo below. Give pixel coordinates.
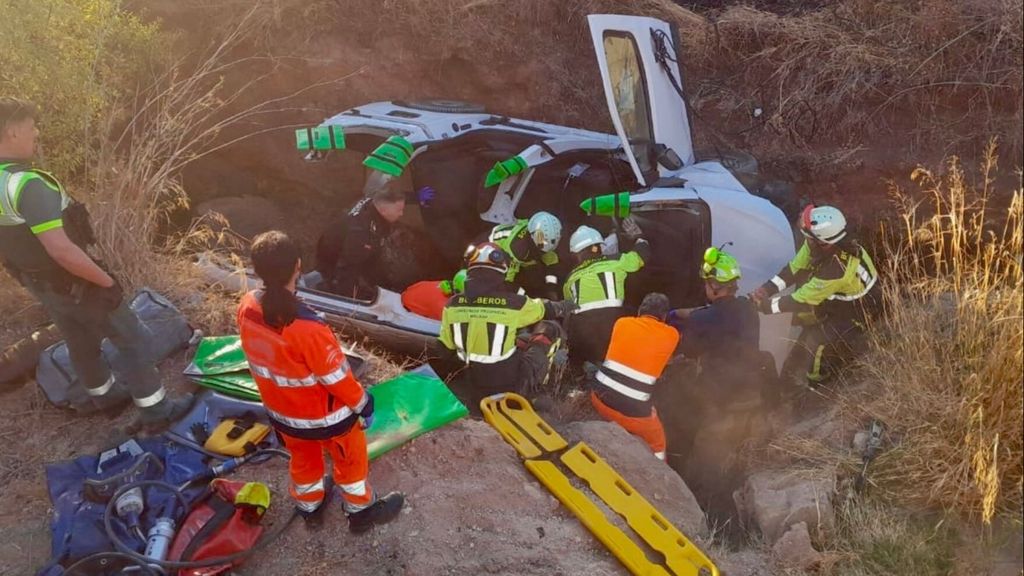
(629, 86)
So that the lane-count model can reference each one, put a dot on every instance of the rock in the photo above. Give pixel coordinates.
(860, 442)
(794, 549)
(633, 460)
(774, 500)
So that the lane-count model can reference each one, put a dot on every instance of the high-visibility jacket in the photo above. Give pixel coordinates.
(601, 282)
(838, 277)
(302, 374)
(481, 326)
(514, 239)
(640, 348)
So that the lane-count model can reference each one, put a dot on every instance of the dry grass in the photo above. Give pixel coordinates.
(855, 67)
(945, 370)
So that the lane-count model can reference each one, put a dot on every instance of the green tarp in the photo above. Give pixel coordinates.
(404, 407)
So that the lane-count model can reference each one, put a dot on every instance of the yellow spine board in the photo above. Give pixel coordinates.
(518, 409)
(681, 556)
(509, 431)
(620, 545)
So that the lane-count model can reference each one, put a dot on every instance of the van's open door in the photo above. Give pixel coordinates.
(642, 83)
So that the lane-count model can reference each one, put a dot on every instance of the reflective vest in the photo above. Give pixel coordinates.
(13, 178)
(601, 282)
(841, 277)
(640, 348)
(302, 374)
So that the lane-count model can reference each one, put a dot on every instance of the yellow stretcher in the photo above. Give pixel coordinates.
(513, 417)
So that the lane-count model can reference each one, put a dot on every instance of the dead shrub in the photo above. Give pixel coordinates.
(945, 370)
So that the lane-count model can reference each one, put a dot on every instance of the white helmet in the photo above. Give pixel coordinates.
(546, 230)
(584, 237)
(823, 223)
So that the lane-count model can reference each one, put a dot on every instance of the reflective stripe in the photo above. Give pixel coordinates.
(549, 279)
(613, 303)
(338, 375)
(362, 402)
(312, 423)
(355, 488)
(485, 358)
(153, 399)
(103, 389)
(308, 506)
(304, 489)
(608, 278)
(775, 306)
(779, 283)
(659, 455)
(498, 343)
(460, 345)
(283, 381)
(622, 389)
(631, 372)
(48, 225)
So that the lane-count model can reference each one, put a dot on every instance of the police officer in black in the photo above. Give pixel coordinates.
(349, 252)
(44, 234)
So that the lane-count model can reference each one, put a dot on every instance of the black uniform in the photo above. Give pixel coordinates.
(348, 254)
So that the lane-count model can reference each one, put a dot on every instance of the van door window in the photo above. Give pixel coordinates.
(629, 87)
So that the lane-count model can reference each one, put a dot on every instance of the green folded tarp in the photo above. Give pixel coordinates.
(404, 407)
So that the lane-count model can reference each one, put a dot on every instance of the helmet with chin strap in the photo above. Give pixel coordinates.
(584, 237)
(546, 230)
(823, 223)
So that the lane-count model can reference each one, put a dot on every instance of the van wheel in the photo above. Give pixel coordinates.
(441, 105)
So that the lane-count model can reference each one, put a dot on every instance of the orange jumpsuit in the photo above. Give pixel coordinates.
(313, 400)
(622, 388)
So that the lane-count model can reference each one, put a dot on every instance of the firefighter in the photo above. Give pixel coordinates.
(622, 388)
(598, 287)
(726, 383)
(480, 329)
(832, 277)
(529, 242)
(44, 234)
(349, 253)
(314, 401)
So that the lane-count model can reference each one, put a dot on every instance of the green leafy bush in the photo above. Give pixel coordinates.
(76, 59)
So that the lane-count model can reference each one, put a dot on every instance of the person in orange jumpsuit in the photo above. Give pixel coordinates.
(314, 401)
(622, 387)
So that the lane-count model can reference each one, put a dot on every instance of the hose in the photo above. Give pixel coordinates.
(108, 515)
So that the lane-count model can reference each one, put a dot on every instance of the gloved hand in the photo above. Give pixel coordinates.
(425, 196)
(630, 229)
(366, 421)
(108, 298)
(759, 295)
(562, 308)
(764, 305)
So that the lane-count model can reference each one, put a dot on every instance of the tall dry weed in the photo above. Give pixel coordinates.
(945, 369)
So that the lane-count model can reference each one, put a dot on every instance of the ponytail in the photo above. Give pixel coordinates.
(274, 257)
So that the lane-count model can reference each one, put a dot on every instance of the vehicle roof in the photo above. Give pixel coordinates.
(420, 126)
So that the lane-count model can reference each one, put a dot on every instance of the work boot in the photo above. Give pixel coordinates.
(382, 511)
(157, 418)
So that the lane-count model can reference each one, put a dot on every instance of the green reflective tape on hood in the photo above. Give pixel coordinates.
(607, 205)
(391, 157)
(504, 170)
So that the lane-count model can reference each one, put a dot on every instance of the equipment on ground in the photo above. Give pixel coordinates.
(871, 449)
(542, 448)
(611, 205)
(823, 223)
(237, 436)
(546, 230)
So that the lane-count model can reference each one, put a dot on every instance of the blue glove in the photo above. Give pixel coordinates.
(366, 421)
(425, 196)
